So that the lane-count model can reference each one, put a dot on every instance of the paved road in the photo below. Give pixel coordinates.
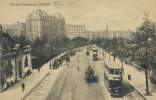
(71, 83)
(67, 83)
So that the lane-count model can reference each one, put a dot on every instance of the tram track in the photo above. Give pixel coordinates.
(130, 92)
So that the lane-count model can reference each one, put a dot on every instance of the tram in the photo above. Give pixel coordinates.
(113, 78)
(95, 53)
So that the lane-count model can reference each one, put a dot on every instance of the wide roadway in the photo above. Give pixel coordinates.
(71, 83)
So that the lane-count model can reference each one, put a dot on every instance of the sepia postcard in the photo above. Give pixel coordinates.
(78, 49)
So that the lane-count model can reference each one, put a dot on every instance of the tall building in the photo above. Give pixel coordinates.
(39, 24)
(75, 31)
(16, 29)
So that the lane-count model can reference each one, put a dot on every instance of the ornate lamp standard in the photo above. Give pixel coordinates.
(52, 59)
(146, 64)
(147, 27)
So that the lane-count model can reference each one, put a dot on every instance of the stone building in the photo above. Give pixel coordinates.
(120, 34)
(75, 31)
(98, 34)
(15, 60)
(39, 24)
(16, 29)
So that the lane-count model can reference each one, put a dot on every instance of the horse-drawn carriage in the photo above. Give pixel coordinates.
(87, 52)
(55, 64)
(89, 74)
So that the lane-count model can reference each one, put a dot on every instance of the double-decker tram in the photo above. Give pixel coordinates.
(95, 53)
(113, 78)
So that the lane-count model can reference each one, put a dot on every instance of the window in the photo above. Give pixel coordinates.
(112, 71)
(117, 71)
(3, 40)
(26, 61)
(9, 69)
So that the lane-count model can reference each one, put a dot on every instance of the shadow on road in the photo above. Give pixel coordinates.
(94, 80)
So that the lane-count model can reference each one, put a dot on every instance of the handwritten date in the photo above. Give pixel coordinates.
(66, 4)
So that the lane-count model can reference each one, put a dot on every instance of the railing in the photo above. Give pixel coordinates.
(8, 52)
(27, 49)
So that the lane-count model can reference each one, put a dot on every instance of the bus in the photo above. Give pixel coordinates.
(113, 78)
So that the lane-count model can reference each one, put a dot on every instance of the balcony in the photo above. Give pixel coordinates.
(27, 48)
(9, 52)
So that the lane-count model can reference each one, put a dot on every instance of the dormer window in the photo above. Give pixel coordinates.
(3, 40)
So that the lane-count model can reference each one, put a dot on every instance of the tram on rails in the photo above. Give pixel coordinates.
(95, 53)
(113, 78)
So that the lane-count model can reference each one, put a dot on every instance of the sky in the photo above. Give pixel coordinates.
(94, 14)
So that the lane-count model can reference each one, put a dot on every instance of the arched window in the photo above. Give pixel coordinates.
(9, 69)
(26, 61)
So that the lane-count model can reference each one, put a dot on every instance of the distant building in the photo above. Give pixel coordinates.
(75, 31)
(108, 34)
(16, 29)
(15, 60)
(89, 35)
(99, 34)
(39, 24)
(120, 34)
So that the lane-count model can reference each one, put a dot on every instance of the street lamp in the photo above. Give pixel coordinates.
(78, 58)
(53, 56)
(50, 58)
(146, 65)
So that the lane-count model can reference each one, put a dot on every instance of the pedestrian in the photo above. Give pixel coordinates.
(23, 86)
(78, 68)
(38, 69)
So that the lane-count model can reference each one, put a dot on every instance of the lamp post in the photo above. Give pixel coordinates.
(53, 56)
(50, 64)
(103, 53)
(146, 28)
(146, 65)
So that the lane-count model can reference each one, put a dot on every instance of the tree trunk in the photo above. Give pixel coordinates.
(114, 58)
(122, 66)
(109, 56)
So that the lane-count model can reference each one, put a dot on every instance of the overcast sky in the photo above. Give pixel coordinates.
(94, 14)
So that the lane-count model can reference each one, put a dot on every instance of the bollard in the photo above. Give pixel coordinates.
(129, 77)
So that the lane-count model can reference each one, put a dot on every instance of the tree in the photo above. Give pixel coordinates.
(9, 68)
(143, 33)
(142, 36)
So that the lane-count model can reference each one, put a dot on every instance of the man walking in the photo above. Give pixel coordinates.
(23, 86)
(38, 69)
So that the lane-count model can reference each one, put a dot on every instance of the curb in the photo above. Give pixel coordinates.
(27, 94)
(136, 90)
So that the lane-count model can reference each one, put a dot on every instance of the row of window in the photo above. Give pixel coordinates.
(113, 71)
(77, 34)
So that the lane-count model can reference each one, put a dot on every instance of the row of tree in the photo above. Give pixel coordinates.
(140, 48)
(44, 49)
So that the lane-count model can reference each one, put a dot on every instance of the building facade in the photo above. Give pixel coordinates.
(75, 31)
(120, 34)
(15, 60)
(108, 34)
(16, 29)
(39, 24)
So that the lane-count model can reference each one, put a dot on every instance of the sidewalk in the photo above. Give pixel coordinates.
(15, 91)
(137, 78)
